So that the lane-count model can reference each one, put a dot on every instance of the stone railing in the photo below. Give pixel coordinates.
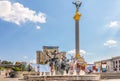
(64, 78)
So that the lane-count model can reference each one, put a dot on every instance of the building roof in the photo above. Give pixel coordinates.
(50, 47)
(38, 51)
(117, 57)
(103, 60)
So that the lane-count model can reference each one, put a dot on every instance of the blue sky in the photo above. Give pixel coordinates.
(27, 25)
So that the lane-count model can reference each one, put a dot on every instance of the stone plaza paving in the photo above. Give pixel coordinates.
(3, 78)
(111, 80)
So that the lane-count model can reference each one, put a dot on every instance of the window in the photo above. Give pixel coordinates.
(116, 62)
(113, 64)
(119, 63)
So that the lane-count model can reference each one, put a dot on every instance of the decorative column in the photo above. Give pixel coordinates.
(77, 18)
(77, 49)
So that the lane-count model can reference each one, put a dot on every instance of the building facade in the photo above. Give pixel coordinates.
(110, 65)
(47, 53)
(116, 63)
(39, 56)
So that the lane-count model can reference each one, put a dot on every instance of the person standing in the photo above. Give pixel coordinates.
(0, 72)
(52, 68)
(71, 68)
(6, 74)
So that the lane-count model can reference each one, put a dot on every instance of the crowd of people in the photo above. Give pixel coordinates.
(63, 65)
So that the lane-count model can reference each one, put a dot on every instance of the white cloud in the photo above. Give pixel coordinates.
(82, 52)
(25, 57)
(113, 24)
(110, 43)
(33, 61)
(17, 13)
(72, 52)
(37, 27)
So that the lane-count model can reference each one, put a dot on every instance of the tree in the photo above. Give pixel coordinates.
(29, 68)
(23, 67)
(6, 62)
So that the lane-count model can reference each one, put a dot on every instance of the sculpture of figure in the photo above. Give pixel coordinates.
(71, 67)
(67, 66)
(78, 67)
(77, 4)
(56, 64)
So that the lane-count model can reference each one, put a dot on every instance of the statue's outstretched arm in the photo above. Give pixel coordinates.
(80, 4)
(74, 3)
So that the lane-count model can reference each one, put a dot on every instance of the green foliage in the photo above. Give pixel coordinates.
(23, 67)
(41, 62)
(29, 67)
(6, 62)
(16, 69)
(2, 68)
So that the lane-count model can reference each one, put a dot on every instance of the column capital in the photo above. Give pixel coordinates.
(77, 16)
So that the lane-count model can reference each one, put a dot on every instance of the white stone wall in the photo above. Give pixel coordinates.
(112, 64)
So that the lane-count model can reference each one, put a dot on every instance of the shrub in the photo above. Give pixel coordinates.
(16, 69)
